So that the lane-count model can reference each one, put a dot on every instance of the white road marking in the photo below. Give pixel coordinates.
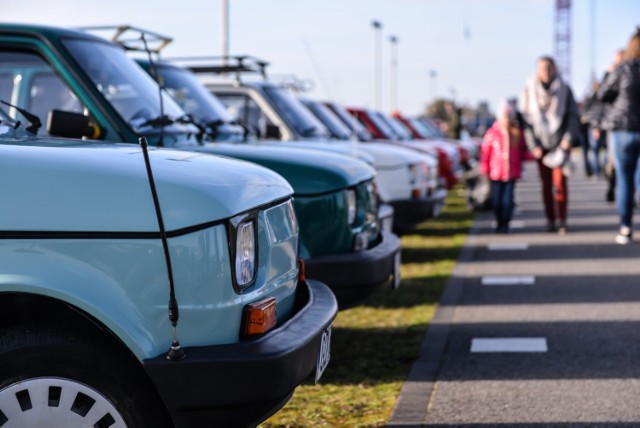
(509, 344)
(508, 280)
(508, 246)
(514, 224)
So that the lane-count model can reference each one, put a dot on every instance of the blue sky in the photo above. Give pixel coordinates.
(505, 38)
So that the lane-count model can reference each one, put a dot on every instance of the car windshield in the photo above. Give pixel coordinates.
(350, 121)
(194, 98)
(337, 128)
(422, 129)
(201, 104)
(398, 128)
(294, 113)
(131, 91)
(381, 123)
(432, 127)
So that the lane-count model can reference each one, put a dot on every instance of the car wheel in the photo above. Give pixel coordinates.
(52, 377)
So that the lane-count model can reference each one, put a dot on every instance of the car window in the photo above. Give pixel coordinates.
(30, 83)
(126, 86)
(350, 121)
(47, 92)
(337, 128)
(296, 115)
(6, 86)
(247, 112)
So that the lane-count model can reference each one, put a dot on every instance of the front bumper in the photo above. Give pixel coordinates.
(385, 216)
(242, 384)
(409, 212)
(353, 276)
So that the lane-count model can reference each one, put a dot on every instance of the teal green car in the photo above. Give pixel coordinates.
(80, 86)
(86, 285)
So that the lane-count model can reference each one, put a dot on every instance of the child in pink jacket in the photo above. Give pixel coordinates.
(501, 155)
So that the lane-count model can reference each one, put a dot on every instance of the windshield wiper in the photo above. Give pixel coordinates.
(158, 122)
(34, 120)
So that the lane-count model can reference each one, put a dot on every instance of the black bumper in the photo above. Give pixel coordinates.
(242, 384)
(353, 276)
(409, 212)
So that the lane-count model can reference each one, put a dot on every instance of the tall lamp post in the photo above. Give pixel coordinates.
(377, 63)
(224, 29)
(394, 72)
(433, 75)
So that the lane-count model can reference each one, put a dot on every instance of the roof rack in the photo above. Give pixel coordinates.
(130, 37)
(225, 64)
(293, 83)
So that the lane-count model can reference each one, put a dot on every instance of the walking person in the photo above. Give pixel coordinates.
(501, 154)
(621, 88)
(551, 113)
(594, 111)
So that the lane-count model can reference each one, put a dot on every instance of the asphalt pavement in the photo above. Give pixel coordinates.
(535, 329)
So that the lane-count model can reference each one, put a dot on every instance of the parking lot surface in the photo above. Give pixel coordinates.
(535, 329)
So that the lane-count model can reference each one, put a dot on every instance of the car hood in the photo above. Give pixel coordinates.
(70, 185)
(348, 148)
(391, 156)
(310, 172)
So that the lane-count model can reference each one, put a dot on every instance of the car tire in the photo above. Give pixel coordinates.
(55, 377)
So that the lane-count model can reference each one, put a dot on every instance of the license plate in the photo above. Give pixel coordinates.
(325, 353)
(396, 271)
(387, 224)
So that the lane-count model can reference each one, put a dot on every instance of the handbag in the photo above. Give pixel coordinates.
(480, 195)
(555, 158)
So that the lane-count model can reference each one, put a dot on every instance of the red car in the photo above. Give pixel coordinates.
(384, 128)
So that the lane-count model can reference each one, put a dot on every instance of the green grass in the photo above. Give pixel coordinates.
(374, 345)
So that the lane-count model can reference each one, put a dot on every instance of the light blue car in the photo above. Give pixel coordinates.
(86, 306)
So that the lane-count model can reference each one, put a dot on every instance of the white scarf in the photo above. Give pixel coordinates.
(544, 109)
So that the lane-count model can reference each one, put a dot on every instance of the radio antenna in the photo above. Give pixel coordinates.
(175, 352)
(157, 78)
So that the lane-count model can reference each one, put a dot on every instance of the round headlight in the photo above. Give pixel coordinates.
(351, 206)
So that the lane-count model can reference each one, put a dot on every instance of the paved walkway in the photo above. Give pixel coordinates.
(535, 329)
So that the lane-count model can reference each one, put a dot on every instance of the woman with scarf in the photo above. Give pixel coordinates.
(621, 88)
(552, 125)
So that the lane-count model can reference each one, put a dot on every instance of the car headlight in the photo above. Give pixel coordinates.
(351, 206)
(243, 245)
(413, 173)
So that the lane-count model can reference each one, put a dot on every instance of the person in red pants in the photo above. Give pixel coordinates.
(552, 125)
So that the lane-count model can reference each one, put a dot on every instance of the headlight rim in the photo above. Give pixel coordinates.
(233, 232)
(351, 219)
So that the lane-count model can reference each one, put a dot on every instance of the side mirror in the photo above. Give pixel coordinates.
(69, 124)
(272, 132)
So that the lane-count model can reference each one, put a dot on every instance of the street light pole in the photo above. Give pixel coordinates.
(377, 63)
(433, 74)
(224, 28)
(394, 72)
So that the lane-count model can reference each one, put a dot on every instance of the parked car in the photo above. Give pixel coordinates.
(88, 338)
(272, 113)
(424, 130)
(410, 207)
(382, 128)
(334, 196)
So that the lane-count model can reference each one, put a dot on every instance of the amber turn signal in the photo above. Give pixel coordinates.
(302, 275)
(259, 318)
(415, 194)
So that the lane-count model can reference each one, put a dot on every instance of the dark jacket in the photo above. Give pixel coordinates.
(593, 109)
(621, 88)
